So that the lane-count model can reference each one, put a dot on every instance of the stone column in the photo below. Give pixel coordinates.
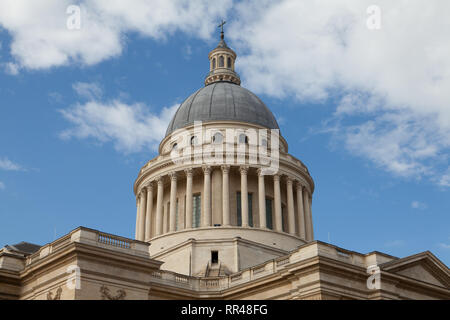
(188, 198)
(173, 201)
(143, 207)
(137, 217)
(244, 196)
(311, 227)
(159, 206)
(300, 211)
(226, 195)
(206, 197)
(307, 215)
(262, 200)
(149, 214)
(277, 203)
(165, 219)
(290, 206)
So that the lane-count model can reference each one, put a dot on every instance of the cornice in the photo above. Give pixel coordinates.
(287, 167)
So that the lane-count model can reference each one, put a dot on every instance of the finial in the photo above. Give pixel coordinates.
(221, 29)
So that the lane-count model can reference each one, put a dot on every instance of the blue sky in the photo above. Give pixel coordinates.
(80, 116)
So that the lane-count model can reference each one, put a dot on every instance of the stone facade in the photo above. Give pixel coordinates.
(89, 264)
(223, 212)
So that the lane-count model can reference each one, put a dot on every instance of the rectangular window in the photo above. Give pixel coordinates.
(239, 214)
(269, 222)
(196, 210)
(214, 256)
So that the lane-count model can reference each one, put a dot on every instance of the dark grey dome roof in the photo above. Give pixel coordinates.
(222, 101)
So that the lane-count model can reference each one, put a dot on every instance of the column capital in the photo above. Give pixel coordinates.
(276, 177)
(289, 180)
(225, 168)
(159, 180)
(298, 184)
(260, 172)
(173, 175)
(243, 170)
(142, 191)
(206, 170)
(149, 186)
(189, 172)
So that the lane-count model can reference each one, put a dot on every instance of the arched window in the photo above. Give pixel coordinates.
(221, 62)
(214, 63)
(264, 142)
(194, 140)
(229, 62)
(243, 138)
(217, 138)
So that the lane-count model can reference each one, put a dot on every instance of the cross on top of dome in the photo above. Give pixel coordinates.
(221, 28)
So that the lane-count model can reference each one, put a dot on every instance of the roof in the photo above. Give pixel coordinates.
(24, 247)
(224, 101)
(222, 44)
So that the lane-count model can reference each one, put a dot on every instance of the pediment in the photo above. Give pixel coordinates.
(423, 267)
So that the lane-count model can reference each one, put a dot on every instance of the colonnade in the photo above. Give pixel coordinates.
(144, 201)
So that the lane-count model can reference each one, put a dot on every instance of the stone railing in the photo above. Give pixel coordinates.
(114, 241)
(188, 282)
(221, 283)
(94, 238)
(303, 253)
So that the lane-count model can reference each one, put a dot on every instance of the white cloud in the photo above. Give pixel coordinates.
(2, 186)
(91, 91)
(444, 245)
(41, 39)
(11, 68)
(444, 180)
(398, 142)
(418, 205)
(392, 83)
(131, 128)
(8, 165)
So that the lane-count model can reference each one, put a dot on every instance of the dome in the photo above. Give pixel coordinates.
(222, 101)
